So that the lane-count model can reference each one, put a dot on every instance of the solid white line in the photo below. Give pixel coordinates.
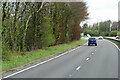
(41, 63)
(78, 68)
(87, 58)
(95, 50)
(114, 44)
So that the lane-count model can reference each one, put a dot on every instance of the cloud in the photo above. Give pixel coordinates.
(101, 10)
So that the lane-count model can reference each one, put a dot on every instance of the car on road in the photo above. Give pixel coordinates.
(92, 41)
(117, 37)
(88, 35)
(100, 37)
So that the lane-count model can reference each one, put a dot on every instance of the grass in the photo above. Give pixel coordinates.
(37, 54)
(0, 55)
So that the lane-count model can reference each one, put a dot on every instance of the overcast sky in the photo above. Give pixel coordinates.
(101, 10)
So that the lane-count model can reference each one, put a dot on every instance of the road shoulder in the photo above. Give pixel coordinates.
(35, 63)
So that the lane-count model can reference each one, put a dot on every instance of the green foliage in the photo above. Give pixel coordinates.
(106, 34)
(40, 53)
(113, 33)
(116, 42)
(91, 32)
(47, 33)
(6, 53)
(102, 34)
(104, 28)
(85, 32)
(0, 49)
(85, 27)
(39, 25)
(96, 33)
(118, 33)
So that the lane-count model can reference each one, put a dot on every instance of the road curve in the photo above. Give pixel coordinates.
(85, 62)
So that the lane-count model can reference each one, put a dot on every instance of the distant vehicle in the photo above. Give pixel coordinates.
(117, 37)
(100, 37)
(92, 40)
(88, 35)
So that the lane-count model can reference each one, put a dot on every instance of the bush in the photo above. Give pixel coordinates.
(85, 32)
(113, 33)
(118, 33)
(106, 34)
(96, 33)
(91, 32)
(102, 34)
(47, 37)
(6, 53)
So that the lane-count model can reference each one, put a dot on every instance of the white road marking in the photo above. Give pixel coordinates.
(92, 53)
(87, 58)
(85, 43)
(95, 50)
(42, 62)
(114, 44)
(78, 67)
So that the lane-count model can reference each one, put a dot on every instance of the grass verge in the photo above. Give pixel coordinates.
(37, 54)
(118, 43)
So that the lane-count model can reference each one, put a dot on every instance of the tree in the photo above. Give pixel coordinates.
(27, 26)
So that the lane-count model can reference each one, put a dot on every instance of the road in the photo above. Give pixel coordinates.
(85, 62)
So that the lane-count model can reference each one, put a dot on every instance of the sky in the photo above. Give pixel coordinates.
(101, 10)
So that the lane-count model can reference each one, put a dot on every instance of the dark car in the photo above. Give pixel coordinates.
(117, 37)
(100, 37)
(92, 41)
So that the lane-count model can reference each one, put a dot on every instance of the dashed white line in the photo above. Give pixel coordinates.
(92, 53)
(42, 62)
(87, 58)
(78, 67)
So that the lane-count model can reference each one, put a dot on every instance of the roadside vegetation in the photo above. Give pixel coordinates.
(104, 28)
(116, 42)
(29, 28)
(18, 60)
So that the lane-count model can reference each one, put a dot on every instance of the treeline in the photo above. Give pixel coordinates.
(105, 28)
(27, 26)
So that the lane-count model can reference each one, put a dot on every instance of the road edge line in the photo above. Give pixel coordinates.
(114, 44)
(43, 62)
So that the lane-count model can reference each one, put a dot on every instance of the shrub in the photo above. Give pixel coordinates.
(102, 34)
(113, 33)
(95, 33)
(85, 32)
(91, 32)
(118, 33)
(106, 33)
(6, 53)
(47, 37)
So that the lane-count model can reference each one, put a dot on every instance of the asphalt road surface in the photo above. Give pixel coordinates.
(85, 62)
